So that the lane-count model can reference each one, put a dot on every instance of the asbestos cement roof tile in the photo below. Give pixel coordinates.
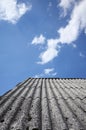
(45, 104)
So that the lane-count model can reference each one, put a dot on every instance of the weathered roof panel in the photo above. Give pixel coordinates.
(45, 104)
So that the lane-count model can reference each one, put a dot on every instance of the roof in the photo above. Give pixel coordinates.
(45, 104)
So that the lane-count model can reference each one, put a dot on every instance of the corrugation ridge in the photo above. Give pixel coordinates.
(71, 108)
(7, 105)
(79, 113)
(70, 89)
(46, 88)
(5, 98)
(69, 94)
(54, 90)
(8, 95)
(61, 78)
(57, 121)
(41, 104)
(35, 110)
(14, 88)
(46, 119)
(27, 100)
(49, 108)
(77, 88)
(10, 101)
(5, 94)
(81, 89)
(70, 116)
(23, 116)
(10, 115)
(15, 106)
(65, 126)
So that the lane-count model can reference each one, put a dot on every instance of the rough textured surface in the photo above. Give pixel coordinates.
(45, 104)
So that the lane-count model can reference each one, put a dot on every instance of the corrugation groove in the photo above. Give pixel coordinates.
(45, 104)
(23, 115)
(69, 115)
(8, 95)
(71, 108)
(9, 115)
(10, 101)
(55, 93)
(70, 93)
(35, 110)
(54, 110)
(76, 88)
(46, 119)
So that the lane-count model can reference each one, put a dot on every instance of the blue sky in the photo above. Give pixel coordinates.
(41, 38)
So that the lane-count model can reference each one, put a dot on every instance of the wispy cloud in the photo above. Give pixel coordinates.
(47, 72)
(81, 55)
(50, 71)
(54, 74)
(85, 31)
(12, 11)
(50, 4)
(38, 40)
(38, 75)
(74, 45)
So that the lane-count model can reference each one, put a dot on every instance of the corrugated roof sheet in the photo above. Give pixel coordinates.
(45, 104)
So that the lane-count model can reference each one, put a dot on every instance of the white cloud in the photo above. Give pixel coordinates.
(38, 40)
(50, 53)
(47, 56)
(54, 74)
(67, 34)
(12, 11)
(66, 5)
(75, 25)
(38, 75)
(48, 71)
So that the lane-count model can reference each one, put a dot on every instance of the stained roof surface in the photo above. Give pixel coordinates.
(45, 104)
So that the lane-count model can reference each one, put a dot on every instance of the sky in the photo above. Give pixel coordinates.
(41, 38)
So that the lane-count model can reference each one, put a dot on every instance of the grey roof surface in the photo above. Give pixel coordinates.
(45, 104)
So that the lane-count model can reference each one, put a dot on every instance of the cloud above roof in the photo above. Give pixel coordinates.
(81, 55)
(38, 40)
(75, 25)
(66, 5)
(50, 53)
(67, 34)
(12, 11)
(47, 72)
